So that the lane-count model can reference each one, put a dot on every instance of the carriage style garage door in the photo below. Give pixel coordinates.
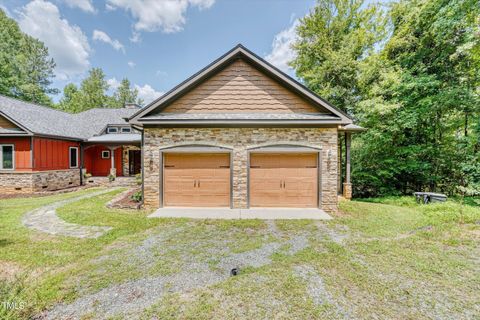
(284, 180)
(197, 180)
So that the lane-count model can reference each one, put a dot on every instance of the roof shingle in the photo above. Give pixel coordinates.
(47, 121)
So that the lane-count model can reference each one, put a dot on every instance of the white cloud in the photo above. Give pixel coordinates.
(131, 64)
(113, 83)
(136, 37)
(161, 73)
(282, 52)
(85, 5)
(67, 44)
(152, 15)
(102, 36)
(147, 93)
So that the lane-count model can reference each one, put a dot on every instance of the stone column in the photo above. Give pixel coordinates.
(113, 170)
(347, 185)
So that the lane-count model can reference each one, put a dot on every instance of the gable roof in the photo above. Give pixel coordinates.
(239, 51)
(35, 119)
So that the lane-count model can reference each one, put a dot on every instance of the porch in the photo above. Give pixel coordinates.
(112, 155)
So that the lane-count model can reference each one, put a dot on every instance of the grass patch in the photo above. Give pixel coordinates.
(398, 259)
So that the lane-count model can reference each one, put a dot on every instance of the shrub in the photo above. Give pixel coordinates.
(111, 177)
(137, 196)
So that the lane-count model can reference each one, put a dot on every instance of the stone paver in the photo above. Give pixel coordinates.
(45, 219)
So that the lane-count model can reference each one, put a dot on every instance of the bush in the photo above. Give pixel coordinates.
(137, 196)
(111, 178)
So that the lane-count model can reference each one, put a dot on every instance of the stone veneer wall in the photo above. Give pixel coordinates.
(240, 140)
(28, 182)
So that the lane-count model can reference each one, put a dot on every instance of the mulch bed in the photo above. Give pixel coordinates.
(124, 200)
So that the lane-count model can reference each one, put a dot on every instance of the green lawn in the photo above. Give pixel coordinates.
(383, 258)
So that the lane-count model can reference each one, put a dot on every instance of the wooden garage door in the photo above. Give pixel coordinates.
(283, 180)
(197, 180)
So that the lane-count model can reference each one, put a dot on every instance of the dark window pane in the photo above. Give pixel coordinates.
(73, 158)
(7, 159)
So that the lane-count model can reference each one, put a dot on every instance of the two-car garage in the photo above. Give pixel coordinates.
(204, 179)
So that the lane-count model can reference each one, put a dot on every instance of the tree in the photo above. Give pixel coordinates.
(333, 40)
(25, 67)
(92, 93)
(423, 131)
(125, 94)
(94, 90)
(70, 100)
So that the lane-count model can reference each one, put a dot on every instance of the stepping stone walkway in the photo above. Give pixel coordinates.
(45, 219)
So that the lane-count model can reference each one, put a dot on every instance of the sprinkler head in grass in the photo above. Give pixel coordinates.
(234, 272)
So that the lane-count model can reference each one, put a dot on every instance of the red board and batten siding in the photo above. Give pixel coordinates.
(97, 166)
(52, 154)
(22, 151)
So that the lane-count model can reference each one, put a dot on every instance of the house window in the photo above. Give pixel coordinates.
(73, 152)
(105, 154)
(112, 130)
(7, 156)
(126, 130)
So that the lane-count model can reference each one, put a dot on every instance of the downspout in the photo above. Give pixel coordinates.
(81, 164)
(32, 164)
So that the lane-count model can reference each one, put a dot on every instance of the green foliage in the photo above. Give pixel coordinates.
(137, 196)
(125, 94)
(93, 94)
(333, 40)
(417, 93)
(25, 67)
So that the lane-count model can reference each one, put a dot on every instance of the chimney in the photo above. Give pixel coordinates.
(131, 105)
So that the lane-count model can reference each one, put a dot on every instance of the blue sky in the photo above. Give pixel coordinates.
(156, 44)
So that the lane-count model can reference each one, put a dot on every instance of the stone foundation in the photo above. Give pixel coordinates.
(29, 182)
(240, 140)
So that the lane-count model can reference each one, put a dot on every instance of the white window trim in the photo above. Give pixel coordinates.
(112, 130)
(70, 157)
(13, 156)
(126, 128)
(108, 152)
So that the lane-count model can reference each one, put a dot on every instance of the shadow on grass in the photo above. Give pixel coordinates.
(5, 242)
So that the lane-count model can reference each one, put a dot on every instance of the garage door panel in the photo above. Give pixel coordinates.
(197, 180)
(283, 180)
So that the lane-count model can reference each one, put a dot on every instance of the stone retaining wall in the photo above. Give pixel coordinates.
(28, 182)
(240, 140)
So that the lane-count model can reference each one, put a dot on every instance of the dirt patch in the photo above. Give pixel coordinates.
(9, 270)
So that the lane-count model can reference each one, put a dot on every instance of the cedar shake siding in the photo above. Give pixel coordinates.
(240, 88)
(6, 124)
